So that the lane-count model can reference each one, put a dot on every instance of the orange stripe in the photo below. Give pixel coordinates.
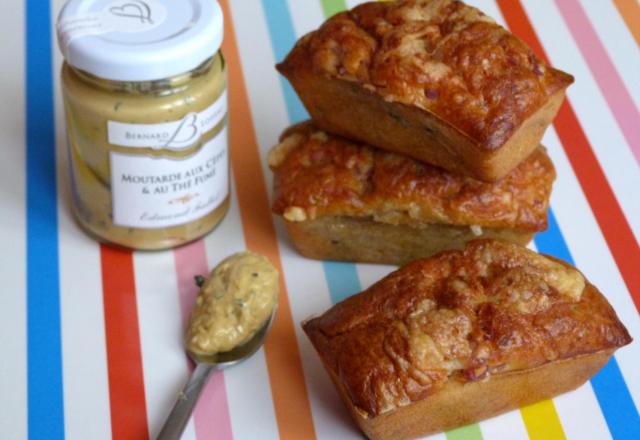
(290, 398)
(124, 359)
(630, 11)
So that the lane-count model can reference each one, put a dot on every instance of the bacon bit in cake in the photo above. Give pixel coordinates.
(477, 373)
(431, 93)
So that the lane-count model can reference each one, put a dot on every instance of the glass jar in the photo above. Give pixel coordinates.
(147, 136)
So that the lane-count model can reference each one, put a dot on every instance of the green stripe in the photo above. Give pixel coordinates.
(469, 432)
(332, 7)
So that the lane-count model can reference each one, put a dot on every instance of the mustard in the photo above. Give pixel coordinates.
(91, 102)
(234, 303)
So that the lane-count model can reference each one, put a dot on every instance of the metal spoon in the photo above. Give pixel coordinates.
(205, 366)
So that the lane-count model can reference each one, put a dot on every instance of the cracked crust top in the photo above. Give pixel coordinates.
(492, 308)
(317, 174)
(441, 56)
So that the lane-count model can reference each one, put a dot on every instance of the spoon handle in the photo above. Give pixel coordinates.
(187, 399)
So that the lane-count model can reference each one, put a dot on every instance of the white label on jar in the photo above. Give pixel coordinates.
(118, 16)
(158, 192)
(175, 135)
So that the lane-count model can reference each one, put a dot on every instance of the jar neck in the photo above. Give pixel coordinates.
(164, 86)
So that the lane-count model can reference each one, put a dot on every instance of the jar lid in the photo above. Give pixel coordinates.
(139, 40)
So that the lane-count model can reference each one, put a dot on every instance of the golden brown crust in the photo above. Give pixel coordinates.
(318, 175)
(441, 56)
(470, 315)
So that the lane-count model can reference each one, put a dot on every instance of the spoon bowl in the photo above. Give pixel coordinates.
(205, 365)
(229, 358)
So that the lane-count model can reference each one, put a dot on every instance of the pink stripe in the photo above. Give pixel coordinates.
(606, 75)
(211, 416)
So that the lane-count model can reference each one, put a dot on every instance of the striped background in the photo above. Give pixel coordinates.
(91, 337)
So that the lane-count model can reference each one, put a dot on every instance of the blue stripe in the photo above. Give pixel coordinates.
(342, 278)
(283, 37)
(44, 358)
(616, 403)
(608, 385)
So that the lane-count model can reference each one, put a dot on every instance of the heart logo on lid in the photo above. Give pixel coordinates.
(135, 9)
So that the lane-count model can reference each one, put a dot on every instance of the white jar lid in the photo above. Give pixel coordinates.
(139, 40)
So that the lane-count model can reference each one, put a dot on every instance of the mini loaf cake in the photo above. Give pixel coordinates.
(463, 336)
(345, 201)
(433, 79)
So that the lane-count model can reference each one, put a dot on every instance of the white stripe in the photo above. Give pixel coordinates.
(306, 15)
(372, 273)
(440, 436)
(574, 407)
(250, 401)
(305, 278)
(85, 376)
(592, 256)
(618, 41)
(160, 323)
(353, 3)
(505, 426)
(309, 297)
(247, 384)
(609, 145)
(13, 337)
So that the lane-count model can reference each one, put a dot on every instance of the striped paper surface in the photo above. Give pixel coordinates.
(90, 337)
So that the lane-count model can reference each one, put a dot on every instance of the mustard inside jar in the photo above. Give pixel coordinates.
(145, 94)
